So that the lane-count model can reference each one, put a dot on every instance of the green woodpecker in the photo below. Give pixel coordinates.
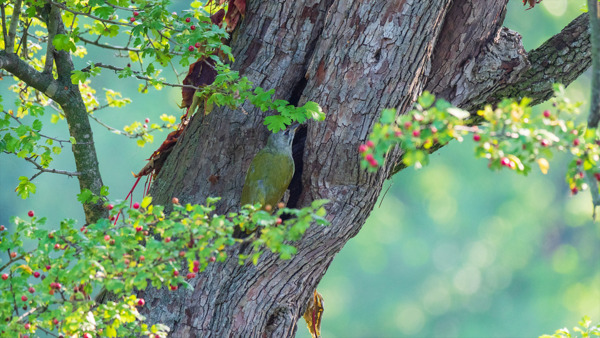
(271, 170)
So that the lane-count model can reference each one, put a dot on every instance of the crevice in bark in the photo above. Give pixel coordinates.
(296, 187)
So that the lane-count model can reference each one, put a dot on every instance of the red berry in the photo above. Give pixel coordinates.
(56, 246)
(362, 148)
(175, 200)
(136, 13)
(2, 228)
(196, 269)
(30, 213)
(416, 133)
(167, 240)
(181, 253)
(407, 125)
(597, 176)
(142, 258)
(476, 137)
(505, 161)
(370, 144)
(174, 287)
(31, 289)
(48, 267)
(546, 113)
(132, 19)
(212, 259)
(136, 205)
(373, 163)
(188, 19)
(192, 27)
(576, 142)
(196, 263)
(191, 48)
(147, 120)
(369, 157)
(279, 221)
(434, 130)
(24, 298)
(574, 190)
(579, 161)
(36, 274)
(175, 273)
(110, 207)
(4, 276)
(190, 275)
(197, 45)
(27, 325)
(398, 133)
(141, 302)
(87, 335)
(13, 255)
(138, 229)
(55, 321)
(544, 143)
(106, 237)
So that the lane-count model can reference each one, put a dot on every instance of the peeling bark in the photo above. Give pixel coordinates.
(354, 58)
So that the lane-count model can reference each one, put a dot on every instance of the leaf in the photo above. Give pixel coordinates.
(63, 42)
(426, 99)
(314, 314)
(146, 201)
(314, 111)
(276, 123)
(544, 165)
(458, 113)
(25, 187)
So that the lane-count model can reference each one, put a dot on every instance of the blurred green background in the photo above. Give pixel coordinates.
(454, 250)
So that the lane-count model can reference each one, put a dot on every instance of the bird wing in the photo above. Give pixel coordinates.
(268, 178)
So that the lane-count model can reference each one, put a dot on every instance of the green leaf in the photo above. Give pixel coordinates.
(79, 76)
(276, 123)
(37, 125)
(104, 191)
(85, 196)
(314, 111)
(426, 99)
(63, 42)
(25, 187)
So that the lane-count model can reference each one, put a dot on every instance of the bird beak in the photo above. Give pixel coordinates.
(294, 126)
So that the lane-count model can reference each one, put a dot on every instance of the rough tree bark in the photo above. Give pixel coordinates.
(354, 58)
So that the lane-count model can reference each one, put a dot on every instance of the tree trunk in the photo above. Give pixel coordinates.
(354, 58)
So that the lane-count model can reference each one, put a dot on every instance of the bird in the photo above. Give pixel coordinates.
(270, 171)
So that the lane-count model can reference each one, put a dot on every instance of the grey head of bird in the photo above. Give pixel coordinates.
(283, 139)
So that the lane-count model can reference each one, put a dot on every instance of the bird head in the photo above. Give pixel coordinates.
(284, 138)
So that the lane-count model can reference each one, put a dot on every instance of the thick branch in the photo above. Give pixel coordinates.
(561, 59)
(594, 17)
(12, 30)
(19, 68)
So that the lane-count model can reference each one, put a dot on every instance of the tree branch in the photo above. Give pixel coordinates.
(101, 45)
(45, 83)
(53, 19)
(12, 30)
(62, 6)
(594, 17)
(561, 59)
(3, 13)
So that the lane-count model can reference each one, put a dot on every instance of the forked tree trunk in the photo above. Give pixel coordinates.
(354, 58)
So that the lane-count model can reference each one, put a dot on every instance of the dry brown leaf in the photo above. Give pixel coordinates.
(314, 314)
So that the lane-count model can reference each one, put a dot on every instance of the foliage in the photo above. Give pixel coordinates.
(584, 330)
(508, 137)
(147, 248)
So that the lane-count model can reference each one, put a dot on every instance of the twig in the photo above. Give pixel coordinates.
(53, 171)
(136, 74)
(24, 39)
(96, 43)
(12, 30)
(62, 6)
(42, 135)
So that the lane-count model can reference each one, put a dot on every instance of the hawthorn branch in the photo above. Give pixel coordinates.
(137, 75)
(46, 170)
(91, 16)
(101, 45)
(42, 135)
